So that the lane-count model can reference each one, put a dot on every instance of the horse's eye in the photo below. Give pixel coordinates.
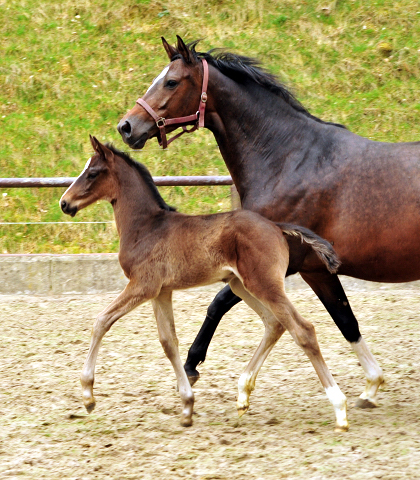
(92, 175)
(171, 83)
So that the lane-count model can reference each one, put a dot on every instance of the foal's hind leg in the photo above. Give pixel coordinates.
(128, 299)
(273, 331)
(329, 290)
(162, 306)
(304, 335)
(271, 293)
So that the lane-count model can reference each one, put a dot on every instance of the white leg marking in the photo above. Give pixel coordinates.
(245, 387)
(339, 402)
(373, 372)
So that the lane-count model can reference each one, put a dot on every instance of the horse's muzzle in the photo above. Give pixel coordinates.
(126, 130)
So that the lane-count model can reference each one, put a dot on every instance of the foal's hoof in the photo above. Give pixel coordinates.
(242, 410)
(186, 421)
(343, 428)
(365, 403)
(90, 406)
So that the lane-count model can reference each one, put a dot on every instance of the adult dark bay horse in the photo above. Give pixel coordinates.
(162, 250)
(362, 196)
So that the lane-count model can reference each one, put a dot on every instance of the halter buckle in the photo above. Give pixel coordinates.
(160, 122)
(204, 97)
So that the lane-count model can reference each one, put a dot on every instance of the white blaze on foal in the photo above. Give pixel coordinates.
(83, 171)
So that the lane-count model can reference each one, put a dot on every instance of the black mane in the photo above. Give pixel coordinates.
(145, 174)
(242, 69)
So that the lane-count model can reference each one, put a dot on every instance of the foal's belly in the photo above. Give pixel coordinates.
(203, 278)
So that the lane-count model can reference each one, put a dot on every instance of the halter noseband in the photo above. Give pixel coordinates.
(198, 117)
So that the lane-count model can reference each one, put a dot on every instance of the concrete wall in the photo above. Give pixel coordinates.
(60, 274)
(101, 273)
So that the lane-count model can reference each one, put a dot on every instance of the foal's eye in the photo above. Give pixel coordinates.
(171, 83)
(92, 175)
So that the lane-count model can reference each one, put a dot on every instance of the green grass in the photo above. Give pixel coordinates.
(72, 68)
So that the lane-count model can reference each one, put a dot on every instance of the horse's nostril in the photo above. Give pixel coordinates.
(63, 204)
(125, 128)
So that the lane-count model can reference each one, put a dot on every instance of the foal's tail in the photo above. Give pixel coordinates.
(321, 247)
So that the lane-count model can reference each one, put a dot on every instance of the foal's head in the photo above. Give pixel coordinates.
(96, 181)
(105, 173)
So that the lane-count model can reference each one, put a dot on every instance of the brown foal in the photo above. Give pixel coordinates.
(162, 250)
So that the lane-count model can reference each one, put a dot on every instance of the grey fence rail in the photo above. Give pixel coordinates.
(160, 181)
(181, 181)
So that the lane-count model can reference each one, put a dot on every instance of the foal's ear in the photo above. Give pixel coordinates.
(101, 149)
(184, 51)
(170, 51)
(95, 144)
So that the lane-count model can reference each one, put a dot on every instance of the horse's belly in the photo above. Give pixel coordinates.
(379, 262)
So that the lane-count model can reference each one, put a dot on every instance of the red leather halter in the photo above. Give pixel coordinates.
(198, 117)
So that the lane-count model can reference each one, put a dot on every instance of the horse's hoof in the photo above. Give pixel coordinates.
(365, 403)
(341, 428)
(193, 377)
(90, 406)
(186, 421)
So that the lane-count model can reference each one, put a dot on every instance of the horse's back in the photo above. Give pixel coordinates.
(367, 204)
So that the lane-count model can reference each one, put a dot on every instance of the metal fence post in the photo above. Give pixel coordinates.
(235, 199)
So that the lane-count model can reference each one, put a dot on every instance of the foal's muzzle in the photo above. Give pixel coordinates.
(67, 208)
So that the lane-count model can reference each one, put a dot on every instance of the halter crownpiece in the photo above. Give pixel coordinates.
(198, 116)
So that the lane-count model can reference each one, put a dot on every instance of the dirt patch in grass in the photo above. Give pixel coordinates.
(134, 431)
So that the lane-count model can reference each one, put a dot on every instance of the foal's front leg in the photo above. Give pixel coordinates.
(162, 306)
(128, 299)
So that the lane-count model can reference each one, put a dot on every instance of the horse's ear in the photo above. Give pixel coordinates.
(170, 51)
(184, 51)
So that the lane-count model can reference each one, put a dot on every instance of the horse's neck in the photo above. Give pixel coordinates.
(134, 205)
(256, 131)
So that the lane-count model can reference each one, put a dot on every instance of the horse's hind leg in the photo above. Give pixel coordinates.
(273, 331)
(221, 304)
(329, 290)
(125, 302)
(162, 306)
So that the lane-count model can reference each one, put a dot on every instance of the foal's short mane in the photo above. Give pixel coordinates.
(144, 173)
(241, 69)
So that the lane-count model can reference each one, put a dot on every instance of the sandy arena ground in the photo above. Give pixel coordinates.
(134, 432)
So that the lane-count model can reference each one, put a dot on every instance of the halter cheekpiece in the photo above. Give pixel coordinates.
(198, 117)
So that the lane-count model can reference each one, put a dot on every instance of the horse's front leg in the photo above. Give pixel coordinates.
(330, 291)
(221, 304)
(162, 306)
(128, 299)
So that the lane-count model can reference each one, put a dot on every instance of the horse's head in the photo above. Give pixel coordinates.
(94, 183)
(174, 93)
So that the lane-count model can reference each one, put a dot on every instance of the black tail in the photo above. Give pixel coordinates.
(321, 247)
